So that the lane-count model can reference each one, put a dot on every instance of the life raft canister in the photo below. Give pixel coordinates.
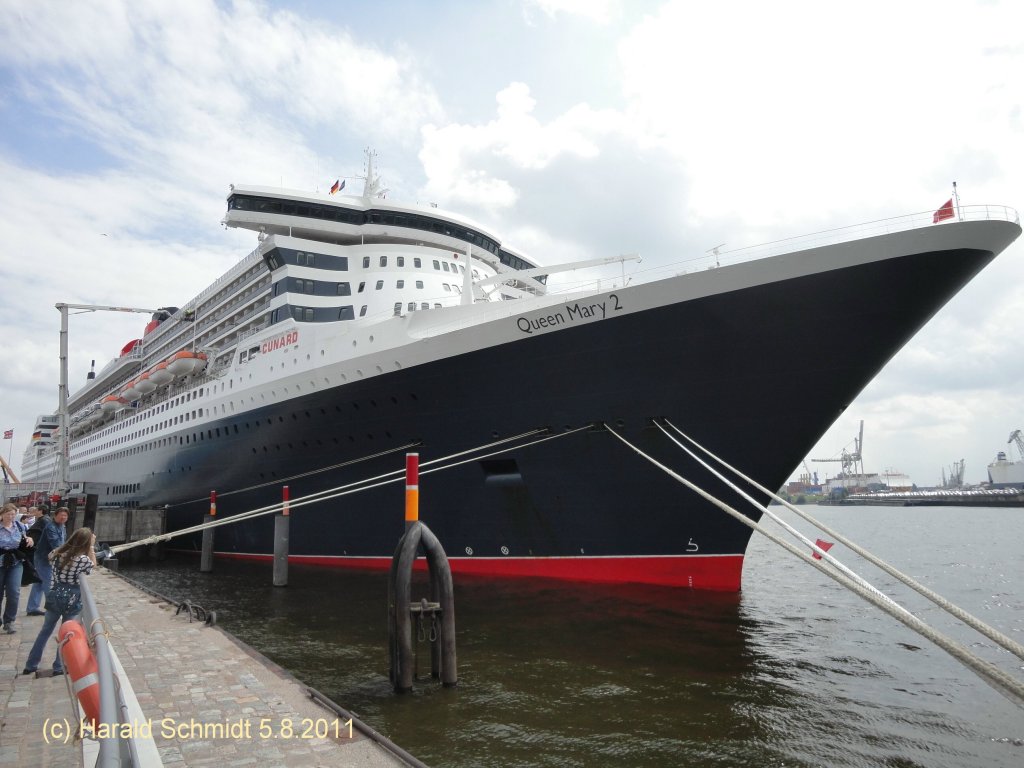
(81, 666)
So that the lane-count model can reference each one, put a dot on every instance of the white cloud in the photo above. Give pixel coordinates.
(600, 11)
(801, 106)
(454, 156)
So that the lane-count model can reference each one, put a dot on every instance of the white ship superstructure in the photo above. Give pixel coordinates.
(1004, 472)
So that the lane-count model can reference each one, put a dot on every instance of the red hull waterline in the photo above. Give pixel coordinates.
(711, 572)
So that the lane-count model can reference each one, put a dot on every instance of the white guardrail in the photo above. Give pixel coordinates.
(825, 237)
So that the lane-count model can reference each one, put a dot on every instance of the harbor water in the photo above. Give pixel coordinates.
(792, 671)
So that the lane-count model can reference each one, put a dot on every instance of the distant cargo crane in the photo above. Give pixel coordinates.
(956, 475)
(852, 462)
(1018, 439)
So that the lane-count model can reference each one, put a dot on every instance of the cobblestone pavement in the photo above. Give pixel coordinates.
(208, 699)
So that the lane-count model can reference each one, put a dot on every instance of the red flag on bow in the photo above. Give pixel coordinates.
(823, 545)
(944, 212)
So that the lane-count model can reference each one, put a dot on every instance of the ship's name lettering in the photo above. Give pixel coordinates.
(284, 340)
(573, 313)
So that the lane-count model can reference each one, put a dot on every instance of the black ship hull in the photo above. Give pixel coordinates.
(734, 370)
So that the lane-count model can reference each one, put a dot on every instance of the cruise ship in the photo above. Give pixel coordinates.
(360, 328)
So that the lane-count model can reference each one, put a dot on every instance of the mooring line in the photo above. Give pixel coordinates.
(330, 493)
(972, 621)
(355, 487)
(1003, 682)
(279, 481)
(790, 529)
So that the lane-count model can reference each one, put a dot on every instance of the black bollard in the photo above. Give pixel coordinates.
(400, 609)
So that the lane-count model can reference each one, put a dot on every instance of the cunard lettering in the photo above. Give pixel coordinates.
(284, 340)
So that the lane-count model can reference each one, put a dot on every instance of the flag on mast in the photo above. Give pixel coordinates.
(336, 186)
(8, 434)
(945, 212)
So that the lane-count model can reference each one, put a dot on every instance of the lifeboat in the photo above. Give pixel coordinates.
(160, 375)
(145, 384)
(186, 362)
(111, 403)
(131, 391)
(91, 416)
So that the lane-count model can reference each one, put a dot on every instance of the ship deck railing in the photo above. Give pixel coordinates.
(907, 222)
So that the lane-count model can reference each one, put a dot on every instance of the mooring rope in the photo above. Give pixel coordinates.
(790, 529)
(330, 493)
(1003, 682)
(988, 631)
(357, 486)
(300, 475)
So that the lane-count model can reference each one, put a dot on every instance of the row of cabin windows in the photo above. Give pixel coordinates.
(278, 257)
(310, 287)
(412, 306)
(315, 314)
(321, 288)
(146, 414)
(418, 264)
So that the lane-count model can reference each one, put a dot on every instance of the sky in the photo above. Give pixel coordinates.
(573, 128)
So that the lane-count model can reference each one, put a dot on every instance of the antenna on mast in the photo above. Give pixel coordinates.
(373, 186)
(714, 252)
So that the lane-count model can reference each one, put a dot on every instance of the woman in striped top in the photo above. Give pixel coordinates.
(76, 556)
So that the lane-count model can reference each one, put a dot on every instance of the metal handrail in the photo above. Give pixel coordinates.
(113, 749)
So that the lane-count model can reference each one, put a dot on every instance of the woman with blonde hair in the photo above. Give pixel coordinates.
(13, 542)
(73, 558)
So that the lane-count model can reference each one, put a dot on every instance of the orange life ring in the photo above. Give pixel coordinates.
(81, 666)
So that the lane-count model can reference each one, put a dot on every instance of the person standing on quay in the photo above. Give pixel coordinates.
(13, 539)
(64, 598)
(51, 537)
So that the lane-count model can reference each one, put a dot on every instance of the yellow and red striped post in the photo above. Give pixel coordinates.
(412, 489)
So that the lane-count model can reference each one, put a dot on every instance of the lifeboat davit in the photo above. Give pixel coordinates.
(131, 391)
(186, 362)
(111, 403)
(145, 384)
(160, 375)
